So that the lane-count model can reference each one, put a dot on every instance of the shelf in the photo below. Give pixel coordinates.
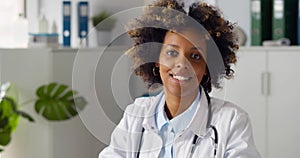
(125, 47)
(271, 48)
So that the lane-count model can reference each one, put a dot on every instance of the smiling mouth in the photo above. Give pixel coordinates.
(180, 78)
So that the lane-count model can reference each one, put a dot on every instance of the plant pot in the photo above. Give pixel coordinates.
(103, 37)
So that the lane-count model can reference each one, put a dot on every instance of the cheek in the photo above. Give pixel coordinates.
(165, 63)
(163, 69)
(199, 70)
(163, 72)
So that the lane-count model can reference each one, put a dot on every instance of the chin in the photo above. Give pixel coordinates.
(182, 92)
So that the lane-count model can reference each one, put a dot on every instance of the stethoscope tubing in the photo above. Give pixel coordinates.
(216, 141)
(140, 144)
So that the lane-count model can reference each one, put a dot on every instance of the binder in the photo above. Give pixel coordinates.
(298, 26)
(284, 21)
(66, 23)
(261, 19)
(83, 18)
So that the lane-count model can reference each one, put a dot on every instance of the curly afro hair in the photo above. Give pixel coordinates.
(148, 33)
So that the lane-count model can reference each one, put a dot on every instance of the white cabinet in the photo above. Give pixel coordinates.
(28, 69)
(283, 103)
(71, 139)
(93, 73)
(77, 137)
(271, 100)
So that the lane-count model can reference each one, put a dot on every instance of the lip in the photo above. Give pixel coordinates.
(176, 81)
(178, 77)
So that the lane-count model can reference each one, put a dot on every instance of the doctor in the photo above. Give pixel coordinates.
(182, 121)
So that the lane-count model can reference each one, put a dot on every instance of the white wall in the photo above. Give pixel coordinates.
(238, 11)
(11, 26)
(53, 12)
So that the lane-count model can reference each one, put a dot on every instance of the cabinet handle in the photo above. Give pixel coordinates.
(265, 83)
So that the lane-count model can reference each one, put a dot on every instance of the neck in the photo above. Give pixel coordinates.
(175, 105)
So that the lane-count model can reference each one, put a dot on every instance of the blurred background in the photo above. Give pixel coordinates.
(45, 41)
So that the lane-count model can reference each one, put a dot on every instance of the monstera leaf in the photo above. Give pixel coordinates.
(58, 102)
(55, 102)
(9, 115)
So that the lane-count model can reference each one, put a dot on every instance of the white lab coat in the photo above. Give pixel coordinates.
(232, 123)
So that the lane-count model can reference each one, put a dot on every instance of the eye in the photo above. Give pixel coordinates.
(172, 53)
(196, 56)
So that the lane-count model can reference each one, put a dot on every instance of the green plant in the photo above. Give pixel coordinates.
(9, 115)
(54, 102)
(58, 102)
(107, 23)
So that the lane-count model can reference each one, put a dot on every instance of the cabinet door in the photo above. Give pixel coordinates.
(245, 91)
(283, 104)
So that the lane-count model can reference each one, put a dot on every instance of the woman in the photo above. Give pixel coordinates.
(187, 55)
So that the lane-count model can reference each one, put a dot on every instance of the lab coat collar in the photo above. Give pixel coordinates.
(197, 125)
(149, 121)
(199, 122)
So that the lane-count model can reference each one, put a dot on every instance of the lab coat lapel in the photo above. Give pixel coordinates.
(151, 145)
(199, 121)
(151, 142)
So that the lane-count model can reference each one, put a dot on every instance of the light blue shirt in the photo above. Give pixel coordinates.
(169, 129)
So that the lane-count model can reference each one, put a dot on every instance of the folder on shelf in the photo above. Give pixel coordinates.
(298, 26)
(261, 21)
(66, 23)
(284, 21)
(83, 19)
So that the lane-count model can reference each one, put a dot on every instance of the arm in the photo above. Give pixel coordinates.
(240, 143)
(118, 142)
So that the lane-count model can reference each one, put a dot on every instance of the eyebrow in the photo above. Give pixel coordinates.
(176, 46)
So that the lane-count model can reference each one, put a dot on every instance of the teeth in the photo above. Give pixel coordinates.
(181, 78)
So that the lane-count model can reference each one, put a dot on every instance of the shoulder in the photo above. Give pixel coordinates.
(235, 129)
(227, 112)
(136, 112)
(141, 105)
(226, 107)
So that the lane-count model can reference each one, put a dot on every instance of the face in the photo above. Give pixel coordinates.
(182, 63)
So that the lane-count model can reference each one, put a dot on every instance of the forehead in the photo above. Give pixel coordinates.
(185, 36)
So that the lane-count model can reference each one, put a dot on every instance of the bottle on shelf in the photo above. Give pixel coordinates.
(43, 24)
(54, 27)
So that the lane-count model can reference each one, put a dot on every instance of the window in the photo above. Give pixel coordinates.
(11, 26)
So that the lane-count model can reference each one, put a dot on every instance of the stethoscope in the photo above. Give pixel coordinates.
(195, 139)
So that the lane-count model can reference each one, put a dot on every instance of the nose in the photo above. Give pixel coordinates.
(181, 62)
